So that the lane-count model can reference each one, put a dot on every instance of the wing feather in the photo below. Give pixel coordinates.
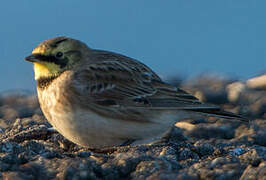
(113, 80)
(130, 86)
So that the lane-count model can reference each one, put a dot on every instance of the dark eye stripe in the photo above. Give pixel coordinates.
(46, 58)
(53, 59)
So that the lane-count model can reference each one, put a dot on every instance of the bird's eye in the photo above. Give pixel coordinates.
(59, 55)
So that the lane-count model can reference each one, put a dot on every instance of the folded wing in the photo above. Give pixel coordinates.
(120, 82)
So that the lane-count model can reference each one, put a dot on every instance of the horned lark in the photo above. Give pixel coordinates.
(98, 99)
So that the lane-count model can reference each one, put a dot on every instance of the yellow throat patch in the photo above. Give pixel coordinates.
(45, 69)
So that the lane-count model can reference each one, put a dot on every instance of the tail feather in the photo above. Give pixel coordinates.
(221, 113)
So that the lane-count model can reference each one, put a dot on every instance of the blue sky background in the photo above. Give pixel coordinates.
(185, 37)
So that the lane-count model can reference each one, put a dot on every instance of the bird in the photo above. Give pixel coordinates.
(98, 99)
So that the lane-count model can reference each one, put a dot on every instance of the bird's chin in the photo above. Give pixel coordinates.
(40, 70)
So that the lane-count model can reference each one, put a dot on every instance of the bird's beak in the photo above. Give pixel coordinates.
(33, 58)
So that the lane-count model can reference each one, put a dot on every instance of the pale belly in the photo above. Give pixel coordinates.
(86, 128)
(91, 130)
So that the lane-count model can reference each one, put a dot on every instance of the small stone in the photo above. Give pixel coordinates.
(84, 154)
(237, 151)
(258, 82)
(49, 154)
(218, 161)
(18, 124)
(260, 138)
(187, 154)
(204, 149)
(8, 147)
(234, 90)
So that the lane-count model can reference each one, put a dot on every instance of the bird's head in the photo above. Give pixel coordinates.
(54, 56)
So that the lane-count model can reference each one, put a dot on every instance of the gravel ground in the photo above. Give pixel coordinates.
(206, 148)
